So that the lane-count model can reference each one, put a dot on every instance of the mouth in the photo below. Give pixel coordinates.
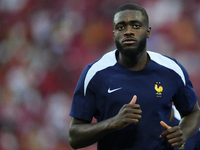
(129, 41)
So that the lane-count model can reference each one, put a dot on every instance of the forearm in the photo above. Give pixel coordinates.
(190, 124)
(82, 135)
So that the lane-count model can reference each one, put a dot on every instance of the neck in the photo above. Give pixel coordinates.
(135, 63)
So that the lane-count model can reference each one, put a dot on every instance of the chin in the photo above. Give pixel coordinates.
(130, 50)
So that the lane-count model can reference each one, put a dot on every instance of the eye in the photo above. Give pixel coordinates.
(136, 26)
(120, 28)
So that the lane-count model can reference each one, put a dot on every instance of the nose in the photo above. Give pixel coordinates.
(129, 31)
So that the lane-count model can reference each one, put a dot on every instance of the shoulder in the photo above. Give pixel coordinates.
(169, 63)
(164, 60)
(104, 62)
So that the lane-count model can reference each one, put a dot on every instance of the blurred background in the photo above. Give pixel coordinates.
(45, 44)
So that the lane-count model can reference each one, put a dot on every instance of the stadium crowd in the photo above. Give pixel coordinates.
(44, 46)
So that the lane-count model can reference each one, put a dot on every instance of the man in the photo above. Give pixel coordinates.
(130, 92)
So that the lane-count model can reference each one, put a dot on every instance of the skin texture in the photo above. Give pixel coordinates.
(130, 33)
(176, 136)
(128, 114)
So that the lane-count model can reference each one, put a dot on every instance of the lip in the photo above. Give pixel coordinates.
(129, 40)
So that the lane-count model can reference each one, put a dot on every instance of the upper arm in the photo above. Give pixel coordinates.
(77, 121)
(73, 125)
(194, 109)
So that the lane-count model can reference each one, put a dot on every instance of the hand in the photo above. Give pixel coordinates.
(173, 135)
(128, 114)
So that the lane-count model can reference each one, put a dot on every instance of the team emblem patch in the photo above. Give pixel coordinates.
(159, 89)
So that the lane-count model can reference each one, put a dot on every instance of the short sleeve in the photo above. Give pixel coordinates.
(83, 105)
(185, 97)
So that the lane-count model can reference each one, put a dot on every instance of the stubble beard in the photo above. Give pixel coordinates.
(131, 52)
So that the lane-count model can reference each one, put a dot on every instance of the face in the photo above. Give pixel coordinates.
(130, 32)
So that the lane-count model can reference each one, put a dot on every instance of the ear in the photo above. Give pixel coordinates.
(114, 35)
(148, 32)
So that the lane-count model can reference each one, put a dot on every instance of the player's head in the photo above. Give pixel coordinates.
(131, 28)
(132, 6)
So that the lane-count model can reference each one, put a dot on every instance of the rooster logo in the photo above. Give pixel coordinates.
(158, 89)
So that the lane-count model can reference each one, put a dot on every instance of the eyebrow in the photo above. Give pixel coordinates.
(132, 22)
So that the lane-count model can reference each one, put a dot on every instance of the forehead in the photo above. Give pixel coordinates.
(128, 15)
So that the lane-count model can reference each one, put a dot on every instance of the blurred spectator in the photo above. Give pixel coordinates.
(44, 46)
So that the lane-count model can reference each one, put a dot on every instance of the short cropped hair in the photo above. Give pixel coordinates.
(132, 6)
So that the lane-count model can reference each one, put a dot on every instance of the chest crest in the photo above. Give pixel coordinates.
(159, 89)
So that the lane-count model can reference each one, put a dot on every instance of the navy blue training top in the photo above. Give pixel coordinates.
(105, 86)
